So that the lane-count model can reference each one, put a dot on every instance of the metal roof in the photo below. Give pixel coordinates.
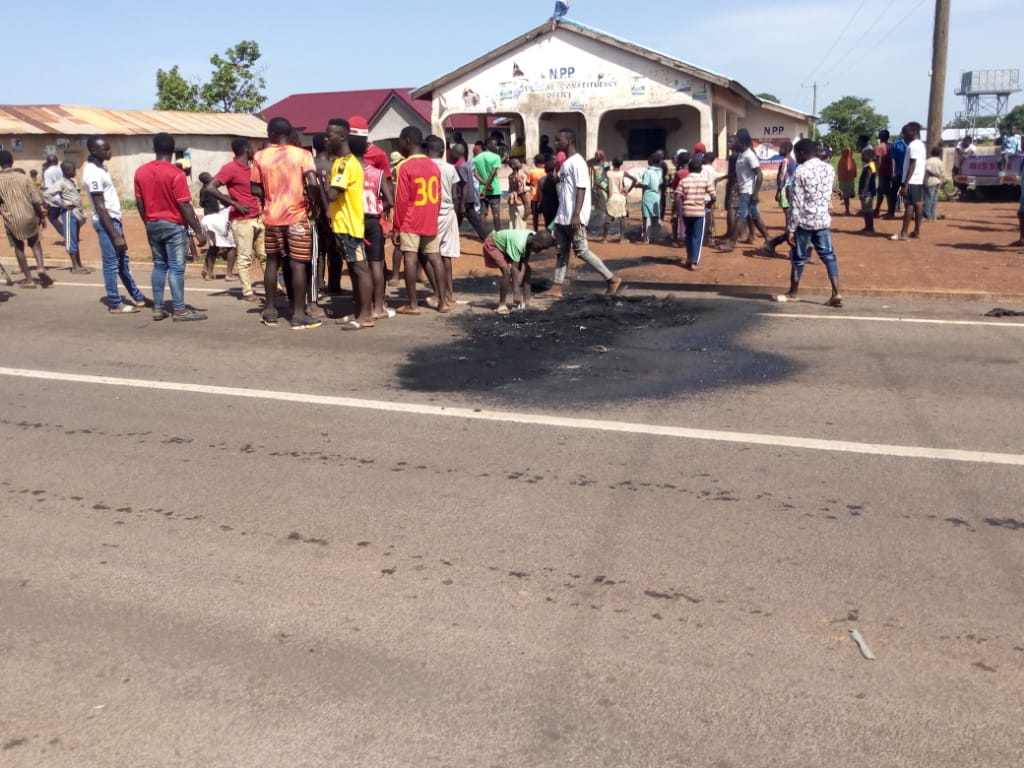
(60, 120)
(427, 91)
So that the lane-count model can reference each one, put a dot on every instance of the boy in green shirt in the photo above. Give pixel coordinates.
(509, 250)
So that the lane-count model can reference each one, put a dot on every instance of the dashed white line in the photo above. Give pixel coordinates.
(542, 420)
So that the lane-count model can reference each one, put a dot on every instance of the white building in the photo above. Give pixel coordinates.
(618, 96)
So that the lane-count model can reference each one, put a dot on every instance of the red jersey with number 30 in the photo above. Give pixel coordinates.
(418, 196)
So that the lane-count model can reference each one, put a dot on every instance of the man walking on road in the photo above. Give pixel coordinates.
(106, 220)
(165, 205)
(809, 225)
(23, 211)
(573, 216)
(246, 225)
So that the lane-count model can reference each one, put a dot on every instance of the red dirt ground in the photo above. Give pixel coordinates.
(963, 255)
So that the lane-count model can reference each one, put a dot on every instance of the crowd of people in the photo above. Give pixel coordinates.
(302, 217)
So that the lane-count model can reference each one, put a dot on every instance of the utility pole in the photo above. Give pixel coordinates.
(940, 45)
(814, 104)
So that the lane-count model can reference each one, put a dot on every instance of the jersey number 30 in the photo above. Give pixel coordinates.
(428, 190)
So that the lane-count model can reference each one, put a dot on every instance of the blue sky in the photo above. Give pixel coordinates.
(879, 49)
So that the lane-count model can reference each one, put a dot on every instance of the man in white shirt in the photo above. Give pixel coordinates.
(106, 220)
(749, 179)
(52, 175)
(913, 182)
(574, 215)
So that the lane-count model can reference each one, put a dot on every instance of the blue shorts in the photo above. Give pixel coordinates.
(747, 207)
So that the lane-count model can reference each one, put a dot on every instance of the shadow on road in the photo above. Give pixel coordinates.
(595, 348)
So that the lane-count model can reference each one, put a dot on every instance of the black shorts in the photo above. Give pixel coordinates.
(493, 202)
(915, 193)
(373, 238)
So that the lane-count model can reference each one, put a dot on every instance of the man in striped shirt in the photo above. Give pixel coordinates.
(24, 212)
(696, 193)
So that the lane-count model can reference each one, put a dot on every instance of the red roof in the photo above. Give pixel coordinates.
(309, 112)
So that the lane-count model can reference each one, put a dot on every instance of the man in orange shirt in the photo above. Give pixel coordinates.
(284, 178)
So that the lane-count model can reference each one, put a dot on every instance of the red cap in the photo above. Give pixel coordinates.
(357, 126)
(699, 147)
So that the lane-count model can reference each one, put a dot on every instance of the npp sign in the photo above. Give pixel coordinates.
(561, 73)
(771, 131)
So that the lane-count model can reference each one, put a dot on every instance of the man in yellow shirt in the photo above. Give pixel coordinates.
(345, 213)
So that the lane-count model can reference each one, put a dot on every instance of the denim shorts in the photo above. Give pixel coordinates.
(747, 208)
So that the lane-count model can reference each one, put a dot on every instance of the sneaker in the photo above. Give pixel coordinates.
(161, 314)
(269, 318)
(188, 314)
(304, 323)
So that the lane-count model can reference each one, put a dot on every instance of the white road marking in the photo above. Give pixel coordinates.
(544, 420)
(197, 290)
(991, 323)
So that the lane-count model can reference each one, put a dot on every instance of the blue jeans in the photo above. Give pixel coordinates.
(115, 265)
(931, 202)
(169, 243)
(694, 237)
(821, 241)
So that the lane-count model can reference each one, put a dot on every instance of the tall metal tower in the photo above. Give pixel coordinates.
(986, 94)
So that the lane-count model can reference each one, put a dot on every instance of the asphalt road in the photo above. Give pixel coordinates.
(633, 533)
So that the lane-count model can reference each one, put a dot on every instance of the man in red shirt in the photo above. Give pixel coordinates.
(246, 225)
(417, 207)
(165, 205)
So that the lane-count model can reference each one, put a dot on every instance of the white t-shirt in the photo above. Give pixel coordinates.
(52, 175)
(915, 151)
(708, 172)
(96, 178)
(449, 178)
(746, 164)
(574, 175)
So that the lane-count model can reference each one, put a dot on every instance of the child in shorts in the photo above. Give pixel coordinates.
(509, 250)
(867, 188)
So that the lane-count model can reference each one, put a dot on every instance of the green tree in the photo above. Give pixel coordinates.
(1014, 117)
(769, 97)
(175, 92)
(236, 83)
(848, 118)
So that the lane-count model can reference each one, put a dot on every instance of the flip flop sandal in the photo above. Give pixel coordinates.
(405, 309)
(502, 310)
(835, 301)
(124, 309)
(45, 280)
(388, 314)
(355, 325)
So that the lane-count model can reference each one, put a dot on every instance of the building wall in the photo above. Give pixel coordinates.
(396, 116)
(565, 78)
(769, 129)
(207, 153)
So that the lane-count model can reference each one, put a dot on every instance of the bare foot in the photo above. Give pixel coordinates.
(554, 292)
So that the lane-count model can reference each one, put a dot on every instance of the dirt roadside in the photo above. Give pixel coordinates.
(964, 255)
